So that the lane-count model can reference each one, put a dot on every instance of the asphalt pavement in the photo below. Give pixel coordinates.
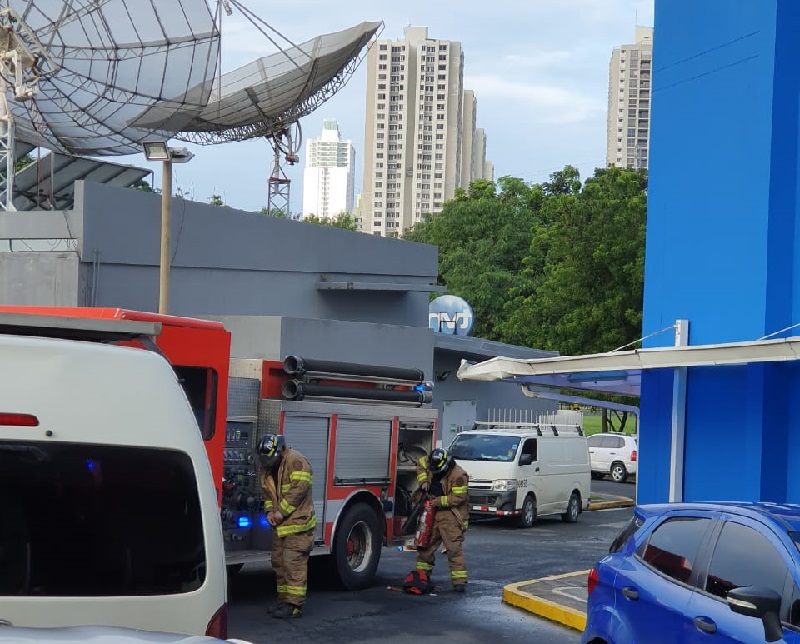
(562, 598)
(497, 555)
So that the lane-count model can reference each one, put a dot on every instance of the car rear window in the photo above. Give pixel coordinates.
(96, 520)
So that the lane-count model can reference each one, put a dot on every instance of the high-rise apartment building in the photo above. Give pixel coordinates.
(629, 89)
(413, 137)
(469, 121)
(328, 178)
(479, 156)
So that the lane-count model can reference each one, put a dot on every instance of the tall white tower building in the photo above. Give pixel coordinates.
(328, 178)
(629, 90)
(413, 147)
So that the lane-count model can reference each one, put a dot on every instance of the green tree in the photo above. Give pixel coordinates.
(216, 200)
(341, 220)
(580, 288)
(483, 235)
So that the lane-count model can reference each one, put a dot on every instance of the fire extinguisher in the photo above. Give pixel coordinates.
(422, 538)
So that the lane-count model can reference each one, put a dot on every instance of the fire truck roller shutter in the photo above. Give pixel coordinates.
(310, 435)
(363, 449)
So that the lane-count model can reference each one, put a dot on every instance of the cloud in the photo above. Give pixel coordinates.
(539, 59)
(546, 103)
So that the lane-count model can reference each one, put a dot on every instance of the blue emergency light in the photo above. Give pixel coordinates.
(244, 522)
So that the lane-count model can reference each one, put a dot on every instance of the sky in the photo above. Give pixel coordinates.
(539, 69)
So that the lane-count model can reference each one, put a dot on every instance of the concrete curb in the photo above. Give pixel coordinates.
(622, 502)
(515, 596)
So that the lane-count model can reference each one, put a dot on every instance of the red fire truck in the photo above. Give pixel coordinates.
(362, 427)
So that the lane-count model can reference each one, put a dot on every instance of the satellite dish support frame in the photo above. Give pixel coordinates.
(25, 60)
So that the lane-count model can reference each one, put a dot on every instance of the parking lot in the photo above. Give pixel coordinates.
(497, 555)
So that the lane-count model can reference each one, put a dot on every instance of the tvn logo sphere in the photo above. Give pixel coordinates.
(451, 315)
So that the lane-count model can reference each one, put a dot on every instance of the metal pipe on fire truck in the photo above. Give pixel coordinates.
(295, 390)
(295, 365)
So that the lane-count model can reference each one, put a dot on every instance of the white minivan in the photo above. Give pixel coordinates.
(108, 511)
(525, 471)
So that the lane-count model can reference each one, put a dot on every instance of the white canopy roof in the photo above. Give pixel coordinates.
(619, 372)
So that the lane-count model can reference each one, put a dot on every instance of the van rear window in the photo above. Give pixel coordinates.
(94, 520)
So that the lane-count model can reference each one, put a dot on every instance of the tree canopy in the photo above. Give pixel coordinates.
(557, 265)
(341, 220)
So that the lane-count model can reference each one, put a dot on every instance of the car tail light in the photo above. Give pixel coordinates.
(18, 420)
(633, 456)
(218, 626)
(591, 582)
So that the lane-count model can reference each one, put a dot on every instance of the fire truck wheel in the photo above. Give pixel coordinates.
(357, 547)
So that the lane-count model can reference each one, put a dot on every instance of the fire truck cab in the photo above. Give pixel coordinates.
(362, 428)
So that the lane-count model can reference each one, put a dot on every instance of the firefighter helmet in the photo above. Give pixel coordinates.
(269, 449)
(440, 461)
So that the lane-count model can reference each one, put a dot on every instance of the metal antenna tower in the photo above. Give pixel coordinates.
(23, 62)
(285, 147)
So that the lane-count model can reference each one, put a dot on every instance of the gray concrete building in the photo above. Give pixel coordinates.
(280, 286)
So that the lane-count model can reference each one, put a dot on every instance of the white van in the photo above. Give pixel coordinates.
(108, 512)
(525, 470)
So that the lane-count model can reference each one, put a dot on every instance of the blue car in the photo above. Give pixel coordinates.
(690, 573)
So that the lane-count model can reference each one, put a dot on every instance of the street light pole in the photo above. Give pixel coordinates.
(159, 151)
(166, 212)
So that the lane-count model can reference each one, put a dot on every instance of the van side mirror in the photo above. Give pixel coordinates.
(526, 459)
(763, 603)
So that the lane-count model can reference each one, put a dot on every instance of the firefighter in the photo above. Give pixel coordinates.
(446, 483)
(286, 484)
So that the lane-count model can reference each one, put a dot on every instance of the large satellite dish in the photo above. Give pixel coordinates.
(98, 77)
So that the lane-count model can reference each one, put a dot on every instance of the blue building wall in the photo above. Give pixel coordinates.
(721, 239)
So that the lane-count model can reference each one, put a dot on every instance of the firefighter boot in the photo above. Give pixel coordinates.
(287, 611)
